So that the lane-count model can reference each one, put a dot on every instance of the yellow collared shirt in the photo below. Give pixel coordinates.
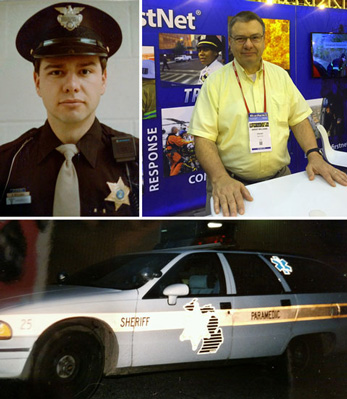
(220, 115)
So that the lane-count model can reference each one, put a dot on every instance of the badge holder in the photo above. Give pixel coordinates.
(259, 132)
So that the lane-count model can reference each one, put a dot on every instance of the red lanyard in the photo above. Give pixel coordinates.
(244, 99)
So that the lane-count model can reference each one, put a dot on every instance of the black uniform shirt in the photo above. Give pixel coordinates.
(37, 164)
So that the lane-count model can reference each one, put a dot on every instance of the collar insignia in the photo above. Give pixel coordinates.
(69, 17)
(119, 194)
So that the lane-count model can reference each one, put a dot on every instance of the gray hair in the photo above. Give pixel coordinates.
(245, 16)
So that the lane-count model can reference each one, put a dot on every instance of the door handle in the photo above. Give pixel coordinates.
(286, 302)
(225, 305)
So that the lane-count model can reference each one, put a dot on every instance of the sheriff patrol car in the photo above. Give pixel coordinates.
(169, 308)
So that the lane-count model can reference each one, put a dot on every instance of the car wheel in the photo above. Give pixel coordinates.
(303, 355)
(68, 364)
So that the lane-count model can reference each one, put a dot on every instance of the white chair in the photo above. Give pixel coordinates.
(338, 158)
(213, 213)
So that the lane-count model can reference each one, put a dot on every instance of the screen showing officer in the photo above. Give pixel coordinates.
(73, 165)
(209, 48)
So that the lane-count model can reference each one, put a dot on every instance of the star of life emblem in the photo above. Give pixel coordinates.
(119, 193)
(69, 17)
(202, 326)
(281, 265)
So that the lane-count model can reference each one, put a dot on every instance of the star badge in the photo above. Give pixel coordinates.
(119, 194)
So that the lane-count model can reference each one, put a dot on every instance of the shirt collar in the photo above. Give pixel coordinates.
(88, 145)
(48, 142)
(213, 63)
(240, 68)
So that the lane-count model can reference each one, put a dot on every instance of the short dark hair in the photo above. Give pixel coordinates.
(245, 16)
(37, 62)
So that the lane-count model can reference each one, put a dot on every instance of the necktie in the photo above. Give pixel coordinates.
(66, 195)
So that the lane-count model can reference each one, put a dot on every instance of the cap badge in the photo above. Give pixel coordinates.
(70, 18)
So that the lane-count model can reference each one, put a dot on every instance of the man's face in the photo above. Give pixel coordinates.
(70, 87)
(207, 55)
(249, 53)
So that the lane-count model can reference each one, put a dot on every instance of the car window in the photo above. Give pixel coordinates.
(202, 272)
(252, 276)
(311, 276)
(122, 272)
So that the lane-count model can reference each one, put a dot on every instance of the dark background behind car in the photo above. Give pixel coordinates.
(41, 250)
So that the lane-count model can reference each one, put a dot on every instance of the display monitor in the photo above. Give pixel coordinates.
(329, 55)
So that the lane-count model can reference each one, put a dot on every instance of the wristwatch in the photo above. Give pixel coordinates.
(314, 150)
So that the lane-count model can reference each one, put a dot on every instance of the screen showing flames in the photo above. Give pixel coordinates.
(277, 39)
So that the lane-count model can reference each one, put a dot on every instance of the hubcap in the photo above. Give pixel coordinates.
(66, 366)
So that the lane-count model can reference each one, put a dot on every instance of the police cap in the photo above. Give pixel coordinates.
(68, 29)
(210, 41)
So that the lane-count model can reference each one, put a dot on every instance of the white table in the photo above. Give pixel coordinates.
(295, 196)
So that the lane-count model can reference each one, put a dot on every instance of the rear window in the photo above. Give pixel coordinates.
(252, 275)
(311, 276)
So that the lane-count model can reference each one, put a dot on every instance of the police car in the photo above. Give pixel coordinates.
(168, 308)
(183, 58)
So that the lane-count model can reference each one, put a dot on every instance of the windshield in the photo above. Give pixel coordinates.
(122, 272)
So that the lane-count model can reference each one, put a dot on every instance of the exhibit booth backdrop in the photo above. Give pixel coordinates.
(174, 183)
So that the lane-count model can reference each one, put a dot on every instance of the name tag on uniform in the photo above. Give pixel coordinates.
(18, 196)
(259, 132)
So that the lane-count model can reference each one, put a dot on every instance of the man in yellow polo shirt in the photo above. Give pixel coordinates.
(233, 115)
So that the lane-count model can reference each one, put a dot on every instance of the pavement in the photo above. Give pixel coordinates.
(238, 381)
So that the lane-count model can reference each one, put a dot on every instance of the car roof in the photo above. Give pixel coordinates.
(218, 247)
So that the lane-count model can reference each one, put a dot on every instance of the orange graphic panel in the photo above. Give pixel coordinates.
(277, 42)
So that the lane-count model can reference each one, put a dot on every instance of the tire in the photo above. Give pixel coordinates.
(303, 356)
(68, 364)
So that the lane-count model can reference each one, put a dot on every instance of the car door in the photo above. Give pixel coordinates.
(262, 306)
(197, 326)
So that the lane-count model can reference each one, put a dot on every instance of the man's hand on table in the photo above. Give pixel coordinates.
(229, 194)
(317, 166)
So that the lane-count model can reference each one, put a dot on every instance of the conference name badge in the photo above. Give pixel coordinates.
(119, 194)
(259, 132)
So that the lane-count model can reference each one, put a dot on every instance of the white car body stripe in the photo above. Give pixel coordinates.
(157, 321)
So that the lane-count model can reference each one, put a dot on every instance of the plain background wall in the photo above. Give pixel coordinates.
(21, 108)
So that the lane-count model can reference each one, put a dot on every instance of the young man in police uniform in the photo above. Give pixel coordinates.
(225, 143)
(73, 165)
(209, 47)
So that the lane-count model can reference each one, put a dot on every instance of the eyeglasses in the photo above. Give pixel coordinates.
(243, 39)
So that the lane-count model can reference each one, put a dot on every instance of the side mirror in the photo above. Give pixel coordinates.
(147, 274)
(175, 290)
